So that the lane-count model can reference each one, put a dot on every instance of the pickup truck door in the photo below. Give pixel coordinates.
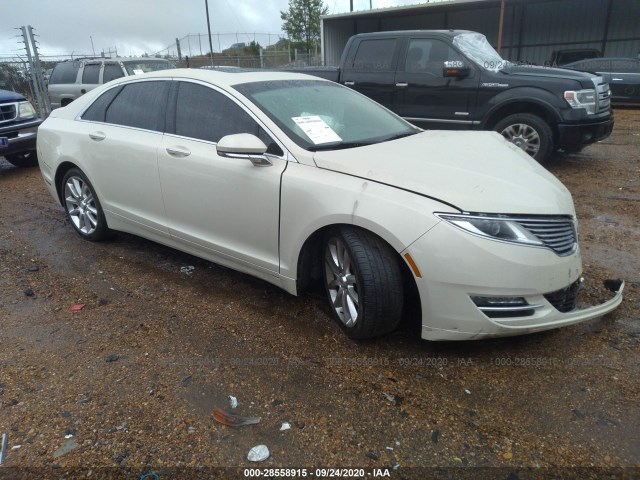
(424, 96)
(370, 69)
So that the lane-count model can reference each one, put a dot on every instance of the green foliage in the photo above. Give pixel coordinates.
(302, 21)
(253, 48)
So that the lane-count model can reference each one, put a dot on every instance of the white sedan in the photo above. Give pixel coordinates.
(294, 180)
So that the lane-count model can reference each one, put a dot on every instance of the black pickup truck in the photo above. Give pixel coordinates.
(454, 79)
(18, 129)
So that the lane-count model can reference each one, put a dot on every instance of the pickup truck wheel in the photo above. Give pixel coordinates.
(83, 207)
(529, 132)
(28, 159)
(363, 282)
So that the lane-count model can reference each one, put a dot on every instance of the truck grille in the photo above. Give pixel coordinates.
(604, 95)
(564, 300)
(8, 112)
(557, 233)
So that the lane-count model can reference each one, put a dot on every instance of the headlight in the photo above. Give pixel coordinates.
(492, 227)
(582, 99)
(26, 110)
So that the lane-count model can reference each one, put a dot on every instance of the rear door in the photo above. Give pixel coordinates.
(424, 96)
(120, 135)
(370, 68)
(624, 80)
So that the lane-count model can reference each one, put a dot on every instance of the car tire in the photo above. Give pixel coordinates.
(363, 282)
(26, 159)
(529, 132)
(83, 206)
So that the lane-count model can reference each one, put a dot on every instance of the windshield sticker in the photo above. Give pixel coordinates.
(316, 129)
(137, 71)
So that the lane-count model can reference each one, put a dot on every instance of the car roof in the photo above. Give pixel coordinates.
(604, 59)
(226, 78)
(408, 33)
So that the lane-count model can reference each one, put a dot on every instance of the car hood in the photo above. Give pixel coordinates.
(535, 71)
(9, 96)
(472, 171)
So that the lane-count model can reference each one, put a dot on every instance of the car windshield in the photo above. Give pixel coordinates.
(476, 47)
(320, 115)
(135, 67)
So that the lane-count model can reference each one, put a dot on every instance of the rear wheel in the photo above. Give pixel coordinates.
(363, 282)
(529, 132)
(26, 159)
(83, 207)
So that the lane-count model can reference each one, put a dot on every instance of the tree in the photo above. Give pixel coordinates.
(302, 21)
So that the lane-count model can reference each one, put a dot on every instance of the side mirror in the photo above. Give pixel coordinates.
(455, 69)
(245, 147)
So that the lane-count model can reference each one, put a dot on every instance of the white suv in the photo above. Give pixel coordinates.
(73, 78)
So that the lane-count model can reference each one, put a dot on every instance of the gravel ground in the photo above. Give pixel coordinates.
(127, 384)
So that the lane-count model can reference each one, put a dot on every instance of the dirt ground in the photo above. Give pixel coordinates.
(127, 385)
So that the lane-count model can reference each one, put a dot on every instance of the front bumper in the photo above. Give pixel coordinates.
(21, 137)
(456, 266)
(576, 136)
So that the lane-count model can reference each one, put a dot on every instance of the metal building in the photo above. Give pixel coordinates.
(531, 29)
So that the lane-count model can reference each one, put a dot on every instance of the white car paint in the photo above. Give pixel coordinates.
(257, 219)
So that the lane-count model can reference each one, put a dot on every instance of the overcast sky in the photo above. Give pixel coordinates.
(138, 26)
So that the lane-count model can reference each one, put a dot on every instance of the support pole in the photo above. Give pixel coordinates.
(501, 26)
(206, 4)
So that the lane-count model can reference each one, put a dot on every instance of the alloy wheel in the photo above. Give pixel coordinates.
(341, 282)
(523, 136)
(81, 205)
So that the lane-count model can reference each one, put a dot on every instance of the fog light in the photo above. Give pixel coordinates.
(504, 307)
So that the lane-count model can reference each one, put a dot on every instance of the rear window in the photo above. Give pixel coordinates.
(64, 73)
(140, 105)
(375, 55)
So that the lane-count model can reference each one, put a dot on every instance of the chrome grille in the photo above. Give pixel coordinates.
(557, 233)
(8, 112)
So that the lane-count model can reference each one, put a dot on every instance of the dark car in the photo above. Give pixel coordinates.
(562, 57)
(18, 129)
(622, 74)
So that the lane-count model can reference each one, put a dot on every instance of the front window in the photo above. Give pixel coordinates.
(477, 48)
(319, 115)
(137, 67)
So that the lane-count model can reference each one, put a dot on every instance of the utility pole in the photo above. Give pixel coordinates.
(500, 26)
(92, 49)
(206, 4)
(36, 77)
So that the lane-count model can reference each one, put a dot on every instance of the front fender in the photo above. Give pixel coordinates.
(312, 199)
(539, 97)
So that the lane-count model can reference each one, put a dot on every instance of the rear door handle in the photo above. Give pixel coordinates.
(178, 152)
(402, 84)
(617, 79)
(97, 136)
(349, 84)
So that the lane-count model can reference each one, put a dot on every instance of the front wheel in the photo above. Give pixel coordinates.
(27, 159)
(363, 282)
(83, 207)
(529, 132)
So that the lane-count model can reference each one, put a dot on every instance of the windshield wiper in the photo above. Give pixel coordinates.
(337, 146)
(396, 136)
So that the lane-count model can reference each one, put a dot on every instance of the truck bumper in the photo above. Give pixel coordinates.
(574, 137)
(21, 138)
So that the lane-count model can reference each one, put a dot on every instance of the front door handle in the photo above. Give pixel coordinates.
(97, 136)
(349, 84)
(178, 152)
(617, 79)
(402, 84)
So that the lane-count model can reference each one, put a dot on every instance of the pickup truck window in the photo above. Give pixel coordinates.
(428, 56)
(375, 55)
